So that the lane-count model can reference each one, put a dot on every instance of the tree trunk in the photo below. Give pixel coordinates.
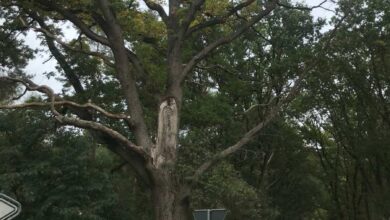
(170, 200)
(170, 196)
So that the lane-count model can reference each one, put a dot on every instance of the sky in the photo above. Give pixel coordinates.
(43, 63)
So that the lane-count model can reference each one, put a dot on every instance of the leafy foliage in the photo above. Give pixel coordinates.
(56, 174)
(325, 157)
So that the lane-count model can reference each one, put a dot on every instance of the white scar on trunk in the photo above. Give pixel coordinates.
(165, 149)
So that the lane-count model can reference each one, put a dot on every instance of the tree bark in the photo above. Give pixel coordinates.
(170, 198)
(164, 152)
(170, 195)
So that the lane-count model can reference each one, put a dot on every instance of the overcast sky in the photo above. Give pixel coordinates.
(42, 64)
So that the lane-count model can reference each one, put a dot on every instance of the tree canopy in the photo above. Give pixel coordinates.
(255, 106)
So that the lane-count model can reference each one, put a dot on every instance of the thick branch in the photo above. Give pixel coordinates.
(158, 8)
(249, 136)
(72, 77)
(270, 6)
(113, 31)
(110, 25)
(106, 130)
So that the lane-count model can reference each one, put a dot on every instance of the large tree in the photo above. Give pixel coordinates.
(131, 74)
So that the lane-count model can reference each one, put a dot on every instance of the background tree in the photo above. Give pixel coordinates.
(348, 123)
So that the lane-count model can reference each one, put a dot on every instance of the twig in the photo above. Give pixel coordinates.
(20, 96)
(301, 7)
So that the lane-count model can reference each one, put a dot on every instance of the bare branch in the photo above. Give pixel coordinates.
(20, 96)
(31, 86)
(158, 8)
(136, 156)
(80, 123)
(72, 104)
(255, 106)
(270, 6)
